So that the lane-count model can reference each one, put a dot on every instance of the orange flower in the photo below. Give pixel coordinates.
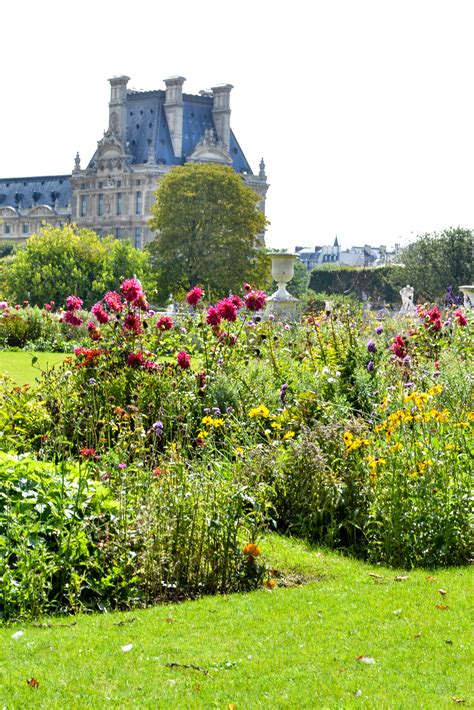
(251, 550)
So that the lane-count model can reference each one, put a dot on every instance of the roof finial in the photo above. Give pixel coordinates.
(262, 169)
(77, 162)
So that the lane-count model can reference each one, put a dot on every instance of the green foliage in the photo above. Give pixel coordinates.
(208, 225)
(380, 283)
(58, 262)
(438, 260)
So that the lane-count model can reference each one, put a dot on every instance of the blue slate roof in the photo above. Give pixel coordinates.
(147, 126)
(25, 193)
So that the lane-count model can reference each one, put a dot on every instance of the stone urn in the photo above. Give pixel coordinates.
(283, 269)
(468, 293)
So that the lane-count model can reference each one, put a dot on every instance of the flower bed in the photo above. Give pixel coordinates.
(203, 430)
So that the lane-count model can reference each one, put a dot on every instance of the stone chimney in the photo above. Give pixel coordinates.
(221, 112)
(174, 111)
(118, 105)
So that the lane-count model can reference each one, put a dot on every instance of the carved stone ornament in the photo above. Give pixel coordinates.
(210, 149)
(42, 210)
(8, 211)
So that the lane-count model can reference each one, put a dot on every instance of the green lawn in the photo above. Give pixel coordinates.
(18, 364)
(299, 646)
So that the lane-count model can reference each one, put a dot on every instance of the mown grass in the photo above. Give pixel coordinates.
(289, 647)
(17, 364)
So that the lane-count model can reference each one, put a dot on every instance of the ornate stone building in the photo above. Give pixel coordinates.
(149, 132)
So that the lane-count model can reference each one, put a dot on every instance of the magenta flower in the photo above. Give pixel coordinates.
(164, 323)
(70, 318)
(460, 317)
(131, 290)
(213, 317)
(136, 359)
(113, 301)
(184, 360)
(227, 309)
(237, 301)
(255, 300)
(398, 347)
(100, 313)
(132, 323)
(73, 303)
(194, 296)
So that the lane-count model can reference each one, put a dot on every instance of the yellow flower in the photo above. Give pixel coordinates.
(373, 464)
(289, 435)
(356, 444)
(435, 390)
(260, 411)
(396, 447)
(209, 421)
(239, 451)
(421, 467)
(276, 425)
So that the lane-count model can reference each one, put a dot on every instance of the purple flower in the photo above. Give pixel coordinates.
(229, 410)
(215, 410)
(379, 329)
(157, 429)
(406, 360)
(121, 465)
(371, 347)
(370, 366)
(283, 389)
(409, 384)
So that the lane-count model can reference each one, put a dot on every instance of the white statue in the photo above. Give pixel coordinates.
(407, 294)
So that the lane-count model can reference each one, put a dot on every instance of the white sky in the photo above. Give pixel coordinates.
(362, 109)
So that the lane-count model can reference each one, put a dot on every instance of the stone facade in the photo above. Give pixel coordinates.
(149, 132)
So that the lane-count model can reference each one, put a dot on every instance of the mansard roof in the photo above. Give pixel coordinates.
(147, 126)
(25, 193)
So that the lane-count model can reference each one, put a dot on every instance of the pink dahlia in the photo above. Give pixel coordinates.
(227, 309)
(132, 323)
(131, 290)
(399, 347)
(194, 296)
(164, 323)
(136, 359)
(73, 303)
(213, 317)
(70, 318)
(184, 360)
(460, 317)
(113, 301)
(255, 300)
(100, 313)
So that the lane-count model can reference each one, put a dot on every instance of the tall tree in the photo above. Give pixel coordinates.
(438, 260)
(208, 228)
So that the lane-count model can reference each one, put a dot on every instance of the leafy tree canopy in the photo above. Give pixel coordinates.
(208, 225)
(58, 262)
(438, 260)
